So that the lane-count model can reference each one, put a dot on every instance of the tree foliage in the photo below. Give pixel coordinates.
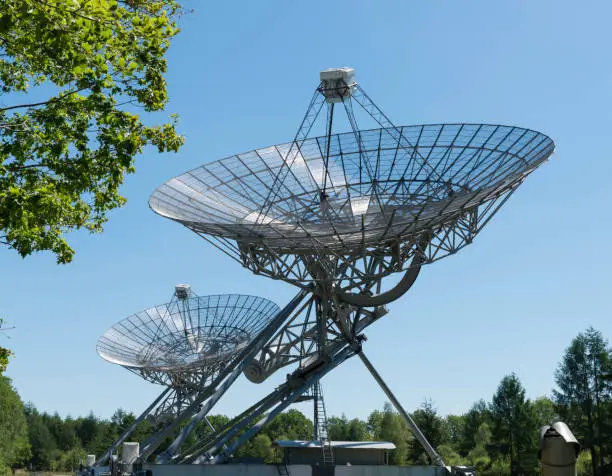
(41, 440)
(73, 75)
(472, 421)
(584, 396)
(14, 444)
(343, 429)
(433, 428)
(479, 455)
(393, 428)
(260, 448)
(290, 425)
(545, 412)
(514, 426)
(499, 437)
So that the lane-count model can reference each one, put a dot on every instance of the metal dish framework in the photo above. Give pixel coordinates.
(338, 215)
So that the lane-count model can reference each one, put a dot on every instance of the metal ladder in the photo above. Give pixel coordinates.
(321, 427)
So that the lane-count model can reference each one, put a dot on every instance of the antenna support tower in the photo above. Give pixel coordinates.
(342, 216)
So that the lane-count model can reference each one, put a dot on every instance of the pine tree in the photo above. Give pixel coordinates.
(513, 424)
(585, 395)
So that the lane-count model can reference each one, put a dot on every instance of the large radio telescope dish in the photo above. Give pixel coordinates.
(379, 191)
(196, 336)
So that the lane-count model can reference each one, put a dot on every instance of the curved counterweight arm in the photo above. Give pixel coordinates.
(412, 273)
(363, 300)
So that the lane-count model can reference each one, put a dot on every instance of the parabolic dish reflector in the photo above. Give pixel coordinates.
(375, 186)
(194, 335)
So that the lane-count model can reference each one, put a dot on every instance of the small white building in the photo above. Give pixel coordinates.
(371, 453)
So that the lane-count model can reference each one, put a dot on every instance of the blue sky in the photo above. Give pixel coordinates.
(240, 77)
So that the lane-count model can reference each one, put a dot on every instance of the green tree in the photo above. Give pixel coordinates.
(358, 430)
(14, 444)
(122, 420)
(63, 432)
(584, 465)
(217, 421)
(260, 446)
(69, 460)
(449, 455)
(41, 440)
(106, 435)
(455, 425)
(87, 430)
(479, 455)
(338, 428)
(433, 428)
(514, 426)
(392, 427)
(477, 415)
(374, 424)
(545, 412)
(343, 429)
(72, 74)
(290, 425)
(202, 431)
(584, 395)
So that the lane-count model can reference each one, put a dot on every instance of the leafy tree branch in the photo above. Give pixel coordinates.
(64, 157)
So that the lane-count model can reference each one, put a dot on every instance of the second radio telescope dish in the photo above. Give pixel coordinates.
(195, 335)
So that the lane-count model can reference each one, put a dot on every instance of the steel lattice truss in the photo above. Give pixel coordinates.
(184, 343)
(299, 339)
(374, 196)
(179, 399)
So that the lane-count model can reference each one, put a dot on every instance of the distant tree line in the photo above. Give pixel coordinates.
(498, 437)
